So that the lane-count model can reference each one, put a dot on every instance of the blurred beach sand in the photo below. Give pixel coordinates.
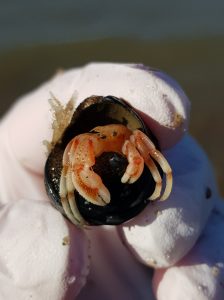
(197, 64)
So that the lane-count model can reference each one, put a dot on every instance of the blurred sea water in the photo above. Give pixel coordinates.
(183, 38)
(29, 22)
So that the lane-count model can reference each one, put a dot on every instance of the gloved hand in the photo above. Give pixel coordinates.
(43, 256)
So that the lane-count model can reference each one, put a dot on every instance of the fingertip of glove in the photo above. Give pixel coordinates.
(41, 253)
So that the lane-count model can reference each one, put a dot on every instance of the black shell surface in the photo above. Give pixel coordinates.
(127, 200)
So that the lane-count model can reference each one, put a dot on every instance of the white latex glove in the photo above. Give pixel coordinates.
(200, 274)
(42, 255)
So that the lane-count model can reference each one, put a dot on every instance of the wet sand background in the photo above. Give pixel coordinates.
(197, 64)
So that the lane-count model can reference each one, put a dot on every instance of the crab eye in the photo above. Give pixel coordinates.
(84, 173)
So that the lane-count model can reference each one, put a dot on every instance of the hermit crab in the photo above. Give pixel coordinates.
(106, 167)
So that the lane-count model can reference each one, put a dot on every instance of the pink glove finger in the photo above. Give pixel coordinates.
(29, 121)
(114, 272)
(17, 182)
(162, 100)
(199, 275)
(42, 256)
(165, 231)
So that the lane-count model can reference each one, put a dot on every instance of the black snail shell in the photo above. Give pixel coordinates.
(127, 200)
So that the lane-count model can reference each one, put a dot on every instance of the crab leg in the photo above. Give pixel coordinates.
(69, 150)
(67, 189)
(89, 185)
(167, 170)
(71, 198)
(85, 180)
(153, 169)
(136, 163)
(146, 148)
(63, 191)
